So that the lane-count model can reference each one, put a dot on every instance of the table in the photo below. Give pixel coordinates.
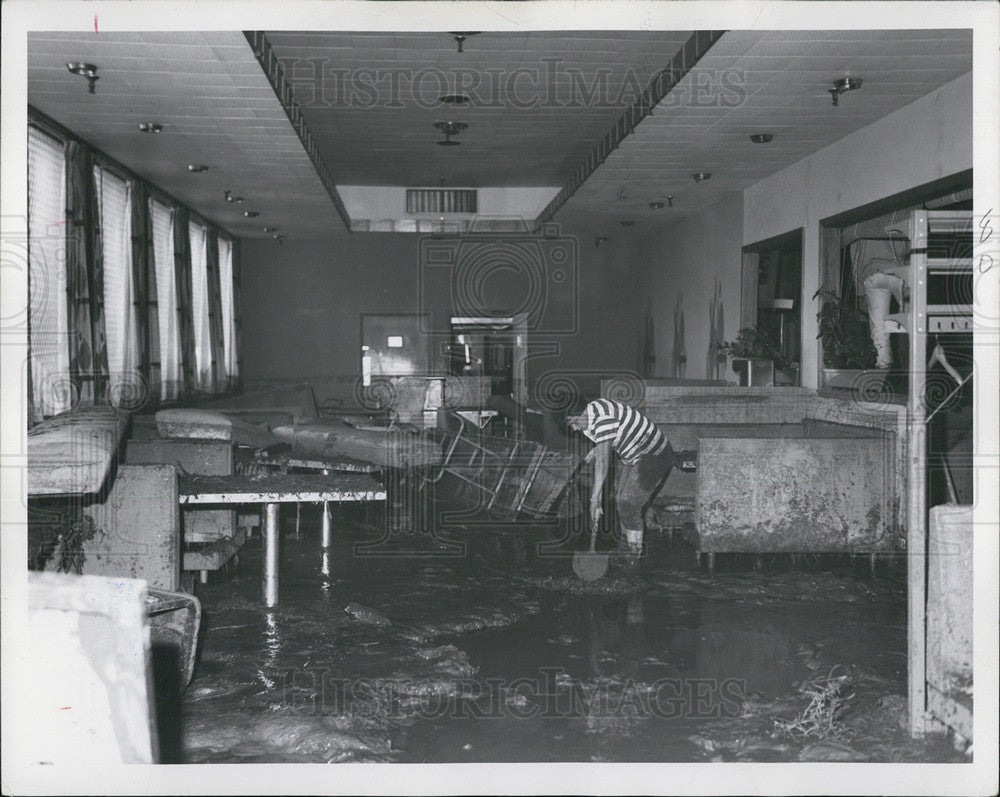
(271, 490)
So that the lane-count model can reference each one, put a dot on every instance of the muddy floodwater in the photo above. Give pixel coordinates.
(479, 643)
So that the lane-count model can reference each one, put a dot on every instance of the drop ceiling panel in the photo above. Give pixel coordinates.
(217, 108)
(785, 76)
(504, 145)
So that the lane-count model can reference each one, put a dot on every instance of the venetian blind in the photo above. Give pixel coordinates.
(47, 307)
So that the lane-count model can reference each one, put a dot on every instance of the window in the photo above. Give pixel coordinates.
(228, 329)
(119, 310)
(171, 376)
(200, 307)
(47, 307)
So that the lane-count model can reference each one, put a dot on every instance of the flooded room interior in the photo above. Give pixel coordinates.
(536, 393)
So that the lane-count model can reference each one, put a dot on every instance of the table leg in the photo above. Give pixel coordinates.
(327, 526)
(271, 541)
(327, 531)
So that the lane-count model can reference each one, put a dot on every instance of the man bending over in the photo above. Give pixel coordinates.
(645, 453)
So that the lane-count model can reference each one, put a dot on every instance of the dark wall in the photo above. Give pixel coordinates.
(302, 303)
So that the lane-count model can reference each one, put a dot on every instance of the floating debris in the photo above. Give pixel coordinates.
(366, 615)
(828, 698)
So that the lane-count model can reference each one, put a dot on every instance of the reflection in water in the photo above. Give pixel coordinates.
(556, 668)
(271, 649)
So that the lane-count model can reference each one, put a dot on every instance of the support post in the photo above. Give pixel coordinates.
(271, 541)
(327, 526)
(327, 530)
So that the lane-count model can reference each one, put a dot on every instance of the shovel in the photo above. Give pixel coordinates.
(591, 565)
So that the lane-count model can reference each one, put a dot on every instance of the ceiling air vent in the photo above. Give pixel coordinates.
(442, 200)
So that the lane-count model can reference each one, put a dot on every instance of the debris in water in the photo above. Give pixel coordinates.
(366, 615)
(827, 700)
(894, 711)
(830, 751)
(706, 744)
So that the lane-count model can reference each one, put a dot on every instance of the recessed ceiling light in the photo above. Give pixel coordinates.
(762, 138)
(455, 99)
(150, 127)
(700, 177)
(251, 214)
(88, 71)
(197, 168)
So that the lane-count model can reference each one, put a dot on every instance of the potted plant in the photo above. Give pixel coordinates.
(756, 356)
(848, 351)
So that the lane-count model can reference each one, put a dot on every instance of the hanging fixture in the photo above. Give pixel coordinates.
(461, 36)
(450, 129)
(150, 127)
(762, 138)
(600, 239)
(251, 214)
(88, 71)
(670, 201)
(842, 85)
(700, 177)
(280, 239)
(656, 205)
(197, 168)
(270, 229)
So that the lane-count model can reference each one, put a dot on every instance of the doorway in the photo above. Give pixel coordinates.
(772, 298)
(491, 347)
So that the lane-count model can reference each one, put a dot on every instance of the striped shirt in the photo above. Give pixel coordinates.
(631, 433)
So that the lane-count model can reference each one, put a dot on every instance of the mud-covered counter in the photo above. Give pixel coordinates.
(785, 469)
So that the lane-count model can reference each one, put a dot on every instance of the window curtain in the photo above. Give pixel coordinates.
(50, 389)
(200, 308)
(226, 283)
(182, 275)
(125, 387)
(215, 315)
(161, 219)
(88, 353)
(145, 297)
